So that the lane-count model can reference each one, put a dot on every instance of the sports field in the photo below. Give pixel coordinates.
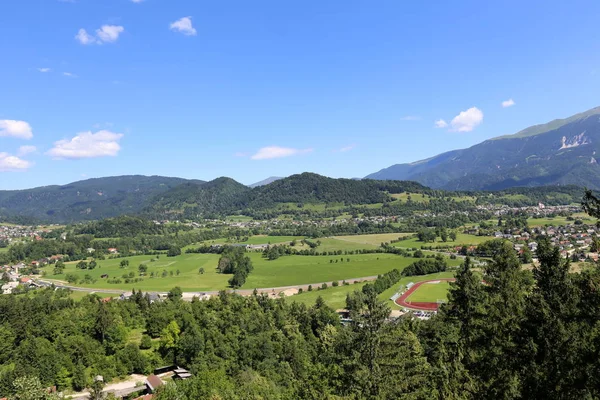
(430, 292)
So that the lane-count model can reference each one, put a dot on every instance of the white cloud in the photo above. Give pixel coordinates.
(24, 150)
(508, 103)
(44, 69)
(109, 33)
(106, 34)
(184, 25)
(440, 123)
(137, 1)
(278, 152)
(87, 145)
(69, 74)
(10, 163)
(467, 120)
(411, 118)
(85, 38)
(16, 129)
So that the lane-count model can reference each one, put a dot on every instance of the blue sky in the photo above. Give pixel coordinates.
(250, 89)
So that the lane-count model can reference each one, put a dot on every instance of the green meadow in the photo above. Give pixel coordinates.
(371, 240)
(189, 279)
(461, 239)
(298, 270)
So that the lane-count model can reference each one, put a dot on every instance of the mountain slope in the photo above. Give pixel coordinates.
(86, 200)
(558, 153)
(222, 195)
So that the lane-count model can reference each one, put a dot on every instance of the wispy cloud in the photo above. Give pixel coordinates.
(270, 152)
(69, 74)
(10, 163)
(346, 148)
(43, 70)
(24, 150)
(184, 25)
(440, 123)
(16, 129)
(105, 34)
(508, 103)
(87, 145)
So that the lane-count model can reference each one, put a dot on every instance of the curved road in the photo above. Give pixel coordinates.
(190, 295)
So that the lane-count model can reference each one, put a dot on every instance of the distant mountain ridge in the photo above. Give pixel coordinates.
(561, 152)
(177, 198)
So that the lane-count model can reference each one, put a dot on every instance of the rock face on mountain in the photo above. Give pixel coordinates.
(560, 152)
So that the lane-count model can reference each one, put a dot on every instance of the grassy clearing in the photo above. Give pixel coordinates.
(557, 221)
(76, 295)
(461, 239)
(430, 292)
(3, 249)
(374, 240)
(334, 297)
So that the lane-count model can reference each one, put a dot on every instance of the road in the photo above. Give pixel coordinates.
(243, 292)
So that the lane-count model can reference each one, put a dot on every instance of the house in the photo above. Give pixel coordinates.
(9, 287)
(112, 250)
(181, 373)
(90, 250)
(153, 382)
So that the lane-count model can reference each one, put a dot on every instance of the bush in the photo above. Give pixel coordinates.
(146, 342)
(335, 284)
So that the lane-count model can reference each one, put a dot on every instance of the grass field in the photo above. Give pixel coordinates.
(374, 240)
(430, 292)
(188, 265)
(461, 239)
(334, 297)
(296, 270)
(557, 221)
(3, 249)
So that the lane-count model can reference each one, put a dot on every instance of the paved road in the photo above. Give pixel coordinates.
(244, 292)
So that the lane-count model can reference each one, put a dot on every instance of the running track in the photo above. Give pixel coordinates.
(401, 301)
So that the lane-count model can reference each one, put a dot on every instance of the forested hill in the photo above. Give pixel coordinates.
(85, 200)
(174, 198)
(226, 196)
(560, 152)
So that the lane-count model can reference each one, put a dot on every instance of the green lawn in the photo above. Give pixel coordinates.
(430, 292)
(461, 239)
(3, 249)
(557, 221)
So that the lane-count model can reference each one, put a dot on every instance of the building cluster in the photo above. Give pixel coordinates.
(10, 233)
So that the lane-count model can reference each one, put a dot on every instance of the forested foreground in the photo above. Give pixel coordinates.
(521, 334)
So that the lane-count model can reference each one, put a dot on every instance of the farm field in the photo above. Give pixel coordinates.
(430, 292)
(374, 240)
(461, 239)
(296, 270)
(560, 220)
(188, 265)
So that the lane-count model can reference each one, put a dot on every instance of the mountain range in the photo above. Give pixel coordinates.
(560, 152)
(166, 197)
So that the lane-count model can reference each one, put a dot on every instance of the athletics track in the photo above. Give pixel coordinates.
(422, 306)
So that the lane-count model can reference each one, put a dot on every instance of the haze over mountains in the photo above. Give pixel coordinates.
(560, 152)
